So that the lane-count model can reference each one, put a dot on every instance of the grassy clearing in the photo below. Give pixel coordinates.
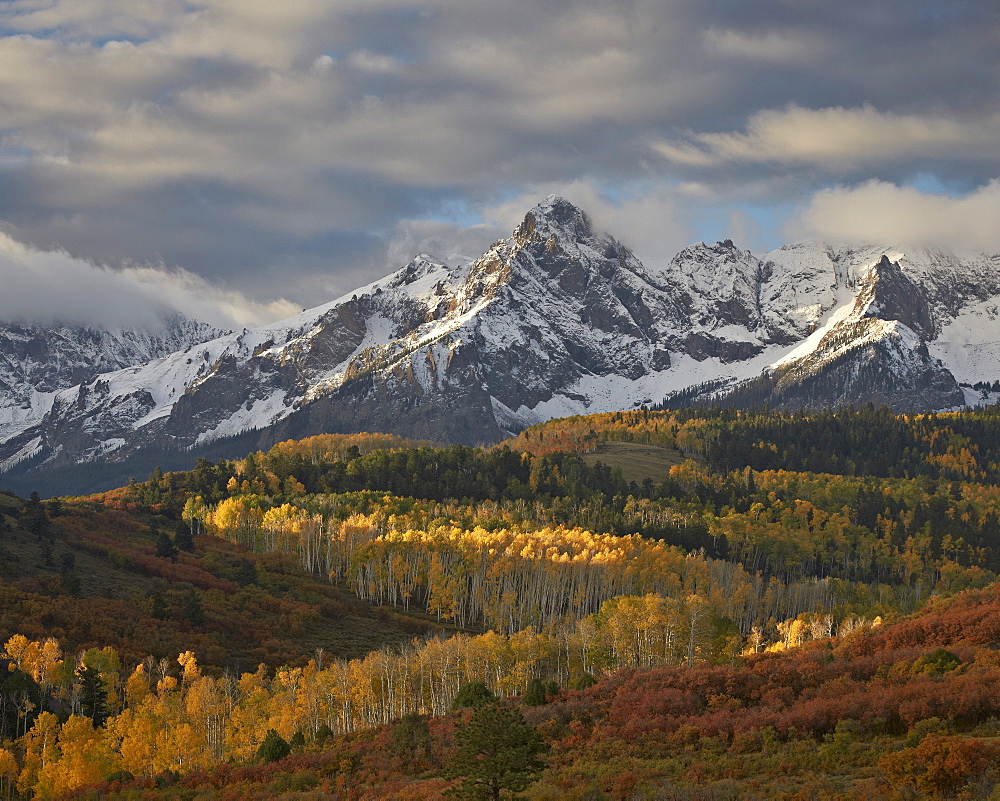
(637, 461)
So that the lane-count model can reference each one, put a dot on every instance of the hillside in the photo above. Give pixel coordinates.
(95, 574)
(689, 580)
(902, 710)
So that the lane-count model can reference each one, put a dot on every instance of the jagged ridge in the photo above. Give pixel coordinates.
(556, 319)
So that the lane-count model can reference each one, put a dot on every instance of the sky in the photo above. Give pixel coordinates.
(244, 159)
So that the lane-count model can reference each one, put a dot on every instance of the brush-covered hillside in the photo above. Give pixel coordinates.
(898, 711)
(372, 579)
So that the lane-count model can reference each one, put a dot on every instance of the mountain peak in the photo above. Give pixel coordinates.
(888, 294)
(554, 216)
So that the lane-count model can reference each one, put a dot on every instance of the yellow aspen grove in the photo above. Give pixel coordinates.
(8, 773)
(85, 757)
(697, 614)
(189, 664)
(137, 686)
(194, 513)
(181, 747)
(240, 517)
(23, 654)
(135, 731)
(40, 748)
(201, 721)
(206, 709)
(419, 554)
(242, 730)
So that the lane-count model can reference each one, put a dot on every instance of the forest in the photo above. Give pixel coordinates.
(783, 604)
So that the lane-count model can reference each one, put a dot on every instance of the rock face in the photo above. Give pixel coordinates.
(556, 319)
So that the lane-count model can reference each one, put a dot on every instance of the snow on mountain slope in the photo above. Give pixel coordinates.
(556, 319)
(870, 349)
(37, 362)
(969, 343)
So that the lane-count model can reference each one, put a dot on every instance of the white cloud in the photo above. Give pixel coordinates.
(230, 136)
(449, 241)
(877, 211)
(51, 286)
(368, 61)
(839, 139)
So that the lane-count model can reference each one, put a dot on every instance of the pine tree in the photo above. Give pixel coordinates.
(165, 548)
(158, 605)
(273, 748)
(38, 520)
(191, 608)
(534, 695)
(497, 751)
(411, 734)
(93, 695)
(472, 694)
(184, 540)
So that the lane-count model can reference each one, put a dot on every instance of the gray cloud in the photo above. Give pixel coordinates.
(296, 149)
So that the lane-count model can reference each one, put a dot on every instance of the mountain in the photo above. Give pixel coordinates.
(37, 362)
(557, 319)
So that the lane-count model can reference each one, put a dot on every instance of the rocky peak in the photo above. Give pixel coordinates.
(887, 294)
(419, 267)
(555, 319)
(554, 217)
(717, 282)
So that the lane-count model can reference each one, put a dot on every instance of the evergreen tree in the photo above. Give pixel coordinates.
(158, 605)
(472, 694)
(246, 572)
(534, 695)
(165, 548)
(38, 520)
(184, 539)
(411, 734)
(93, 695)
(191, 608)
(273, 748)
(497, 751)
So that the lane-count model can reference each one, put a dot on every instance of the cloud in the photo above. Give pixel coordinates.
(53, 287)
(774, 47)
(450, 241)
(877, 211)
(282, 148)
(840, 139)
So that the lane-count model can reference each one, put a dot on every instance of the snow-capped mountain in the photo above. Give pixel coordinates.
(556, 319)
(39, 361)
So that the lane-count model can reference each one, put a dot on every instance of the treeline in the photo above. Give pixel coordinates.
(783, 524)
(865, 442)
(870, 441)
